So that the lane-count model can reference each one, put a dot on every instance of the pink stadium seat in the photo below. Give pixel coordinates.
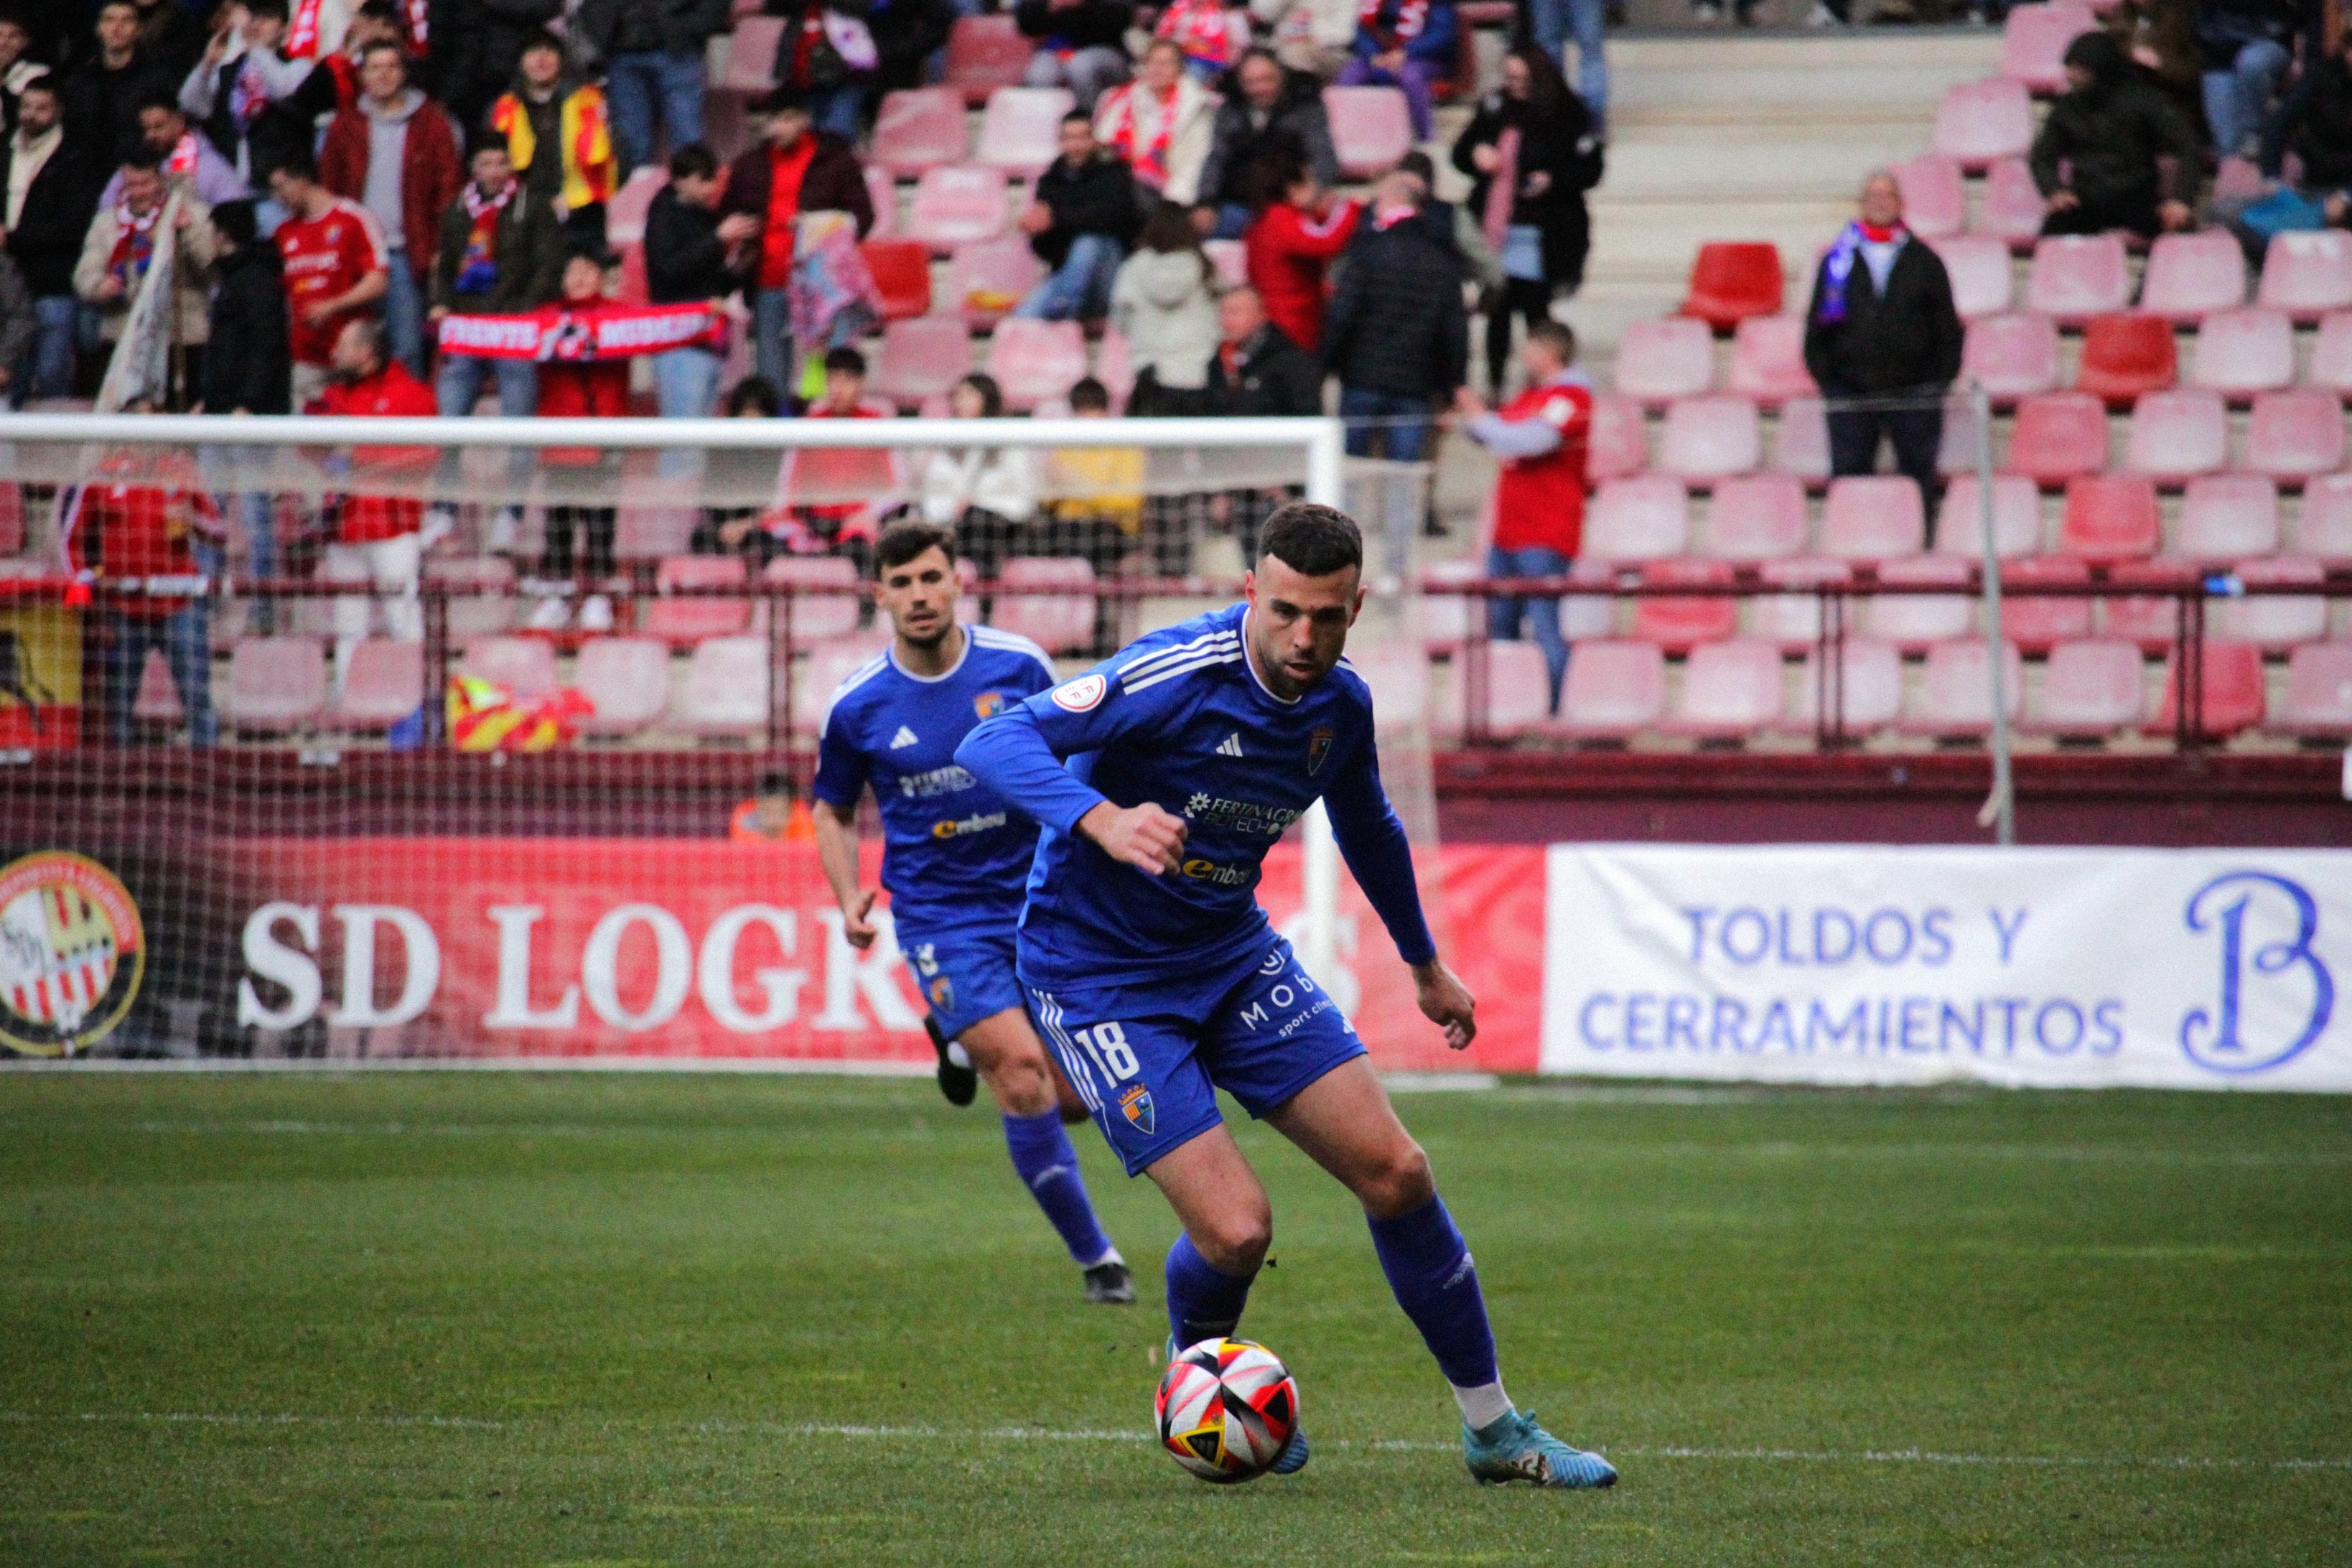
(1370, 129)
(1957, 452)
(1518, 689)
(627, 681)
(2126, 356)
(1398, 677)
(2307, 275)
(1033, 361)
(2176, 435)
(2318, 702)
(2234, 690)
(2229, 517)
(2016, 518)
(920, 129)
(2324, 529)
(2242, 353)
(1058, 622)
(883, 192)
(642, 534)
(1955, 696)
(275, 684)
(751, 55)
(1619, 444)
(1231, 258)
(1767, 361)
(987, 279)
(1873, 517)
(2090, 689)
(1644, 517)
(922, 358)
(1115, 367)
(1983, 281)
(1732, 280)
(1801, 441)
(2274, 623)
(625, 214)
(2015, 355)
(2033, 43)
(1866, 695)
(1913, 622)
(384, 684)
(2295, 436)
(1731, 690)
(1021, 128)
(1758, 517)
(2010, 207)
(1934, 198)
(1793, 619)
(1443, 614)
(957, 205)
(481, 593)
(2152, 621)
(902, 272)
(724, 692)
(1709, 439)
(634, 287)
(2037, 624)
(1658, 362)
(1678, 625)
(2331, 355)
(827, 595)
(2111, 518)
(2190, 275)
(1615, 689)
(985, 53)
(680, 621)
(820, 675)
(524, 666)
(1978, 121)
(2076, 276)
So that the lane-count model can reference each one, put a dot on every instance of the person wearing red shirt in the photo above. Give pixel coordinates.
(580, 389)
(335, 265)
(1541, 437)
(1290, 248)
(794, 527)
(118, 531)
(793, 170)
(377, 537)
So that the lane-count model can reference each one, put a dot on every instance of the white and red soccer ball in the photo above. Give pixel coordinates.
(1225, 1409)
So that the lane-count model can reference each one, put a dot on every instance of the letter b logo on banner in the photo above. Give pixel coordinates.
(2215, 1039)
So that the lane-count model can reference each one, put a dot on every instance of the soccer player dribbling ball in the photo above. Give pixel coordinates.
(1154, 972)
(953, 861)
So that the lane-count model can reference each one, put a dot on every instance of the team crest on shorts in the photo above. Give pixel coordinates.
(987, 704)
(943, 994)
(1318, 746)
(1134, 1103)
(72, 952)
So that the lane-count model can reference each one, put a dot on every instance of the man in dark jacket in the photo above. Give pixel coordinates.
(1080, 222)
(1396, 334)
(1882, 327)
(248, 369)
(685, 260)
(1255, 373)
(821, 174)
(501, 253)
(2095, 160)
(103, 94)
(906, 34)
(652, 51)
(1081, 45)
(1269, 116)
(45, 219)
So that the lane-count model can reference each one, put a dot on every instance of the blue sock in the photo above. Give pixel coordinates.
(1203, 1301)
(1429, 1269)
(1049, 1168)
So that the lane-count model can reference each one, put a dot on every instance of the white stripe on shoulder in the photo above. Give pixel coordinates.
(1199, 661)
(1208, 642)
(1012, 642)
(856, 678)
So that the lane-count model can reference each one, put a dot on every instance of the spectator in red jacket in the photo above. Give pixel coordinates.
(377, 537)
(395, 153)
(580, 389)
(1290, 250)
(120, 532)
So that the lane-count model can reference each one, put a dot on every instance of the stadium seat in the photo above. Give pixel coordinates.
(902, 273)
(625, 214)
(1867, 696)
(986, 280)
(1935, 198)
(882, 192)
(1801, 441)
(2295, 436)
(1115, 367)
(1732, 280)
(2034, 622)
(276, 685)
(820, 675)
(1964, 444)
(1756, 517)
(2274, 622)
(2331, 355)
(828, 595)
(2323, 527)
(384, 685)
(2307, 274)
(1398, 677)
(1020, 131)
(625, 681)
(1731, 690)
(1954, 700)
(2238, 181)
(1767, 361)
(634, 289)
(1658, 362)
(1978, 121)
(1914, 621)
(2242, 353)
(920, 129)
(985, 53)
(2190, 275)
(957, 205)
(2127, 356)
(2318, 702)
(2009, 208)
(2034, 44)
(1620, 442)
(1793, 619)
(1983, 283)
(643, 534)
(2016, 518)
(1443, 614)
(2226, 518)
(2012, 355)
(680, 621)
(2151, 620)
(1059, 622)
(1708, 439)
(1873, 517)
(1033, 361)
(524, 666)
(1615, 689)
(920, 358)
(1678, 625)
(481, 593)
(2076, 276)
(2233, 691)
(1231, 258)
(2111, 518)
(2091, 688)
(724, 691)
(1644, 517)
(2176, 435)
(1370, 129)
(1518, 689)
(751, 55)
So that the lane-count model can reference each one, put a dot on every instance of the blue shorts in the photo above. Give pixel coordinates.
(964, 975)
(1148, 1057)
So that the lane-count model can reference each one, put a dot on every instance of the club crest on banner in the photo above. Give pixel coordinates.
(72, 953)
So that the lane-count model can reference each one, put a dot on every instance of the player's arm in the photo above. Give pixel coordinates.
(1019, 754)
(1373, 842)
(840, 781)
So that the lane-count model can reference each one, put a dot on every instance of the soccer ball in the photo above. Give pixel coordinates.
(1225, 1409)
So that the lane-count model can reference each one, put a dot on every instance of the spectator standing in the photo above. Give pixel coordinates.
(103, 94)
(1258, 374)
(499, 252)
(653, 52)
(169, 35)
(1531, 152)
(795, 168)
(247, 367)
(2096, 158)
(2318, 127)
(117, 528)
(377, 537)
(988, 495)
(121, 247)
(1541, 438)
(247, 94)
(1098, 510)
(51, 184)
(1081, 45)
(18, 328)
(1552, 22)
(1882, 327)
(395, 153)
(1310, 37)
(2248, 46)
(505, 32)
(1081, 217)
(558, 139)
(686, 261)
(315, 28)
(17, 68)
(907, 34)
(335, 265)
(189, 161)
(827, 55)
(1268, 116)
(1290, 248)
(1160, 125)
(835, 527)
(1163, 304)
(1406, 44)
(1212, 36)
(581, 536)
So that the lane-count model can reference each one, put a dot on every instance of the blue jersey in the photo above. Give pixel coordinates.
(1180, 718)
(952, 852)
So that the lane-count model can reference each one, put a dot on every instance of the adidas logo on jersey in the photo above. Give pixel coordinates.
(1231, 746)
(903, 738)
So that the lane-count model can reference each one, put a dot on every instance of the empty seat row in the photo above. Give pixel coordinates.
(2173, 436)
(1660, 361)
(1032, 362)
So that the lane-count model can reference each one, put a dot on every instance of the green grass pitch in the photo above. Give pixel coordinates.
(483, 1318)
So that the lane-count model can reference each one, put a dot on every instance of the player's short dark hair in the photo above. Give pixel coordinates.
(1558, 336)
(1088, 392)
(1313, 539)
(694, 162)
(846, 360)
(908, 537)
(296, 164)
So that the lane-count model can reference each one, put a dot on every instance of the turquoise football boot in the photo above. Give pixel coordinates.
(1515, 1450)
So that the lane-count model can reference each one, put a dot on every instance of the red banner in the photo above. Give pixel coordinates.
(556, 332)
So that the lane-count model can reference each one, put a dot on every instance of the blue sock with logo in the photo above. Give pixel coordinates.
(1049, 1168)
(1429, 1270)
(1203, 1301)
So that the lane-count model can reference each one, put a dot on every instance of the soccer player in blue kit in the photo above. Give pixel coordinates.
(952, 859)
(1153, 971)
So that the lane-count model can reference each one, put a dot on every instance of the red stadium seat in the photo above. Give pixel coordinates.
(2152, 621)
(1873, 517)
(2274, 624)
(1059, 622)
(2091, 688)
(882, 191)
(1021, 130)
(988, 279)
(1731, 690)
(2176, 435)
(1983, 283)
(2331, 355)
(1979, 122)
(2318, 702)
(1801, 441)
(724, 691)
(922, 358)
(2037, 624)
(276, 685)
(2013, 355)
(1934, 198)
(1033, 361)
(985, 53)
(1658, 362)
(2076, 276)
(634, 289)
(1915, 622)
(1679, 625)
(1615, 689)
(2111, 518)
(957, 205)
(1732, 280)
(1619, 444)
(1793, 619)
(384, 685)
(524, 666)
(2009, 208)
(1865, 695)
(2034, 44)
(2324, 529)
(1372, 130)
(918, 129)
(2234, 690)
(2229, 517)
(2190, 275)
(2307, 275)
(1756, 517)
(2295, 436)
(627, 680)
(680, 621)
(1767, 361)
(827, 595)
(751, 55)
(2242, 353)
(902, 272)
(2016, 519)
(1644, 517)
(2126, 356)
(1708, 439)
(625, 214)
(1955, 695)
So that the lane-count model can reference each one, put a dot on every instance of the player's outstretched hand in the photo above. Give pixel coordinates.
(858, 925)
(1446, 1001)
(1143, 836)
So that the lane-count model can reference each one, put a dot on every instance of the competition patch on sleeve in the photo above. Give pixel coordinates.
(1081, 695)
(1559, 413)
